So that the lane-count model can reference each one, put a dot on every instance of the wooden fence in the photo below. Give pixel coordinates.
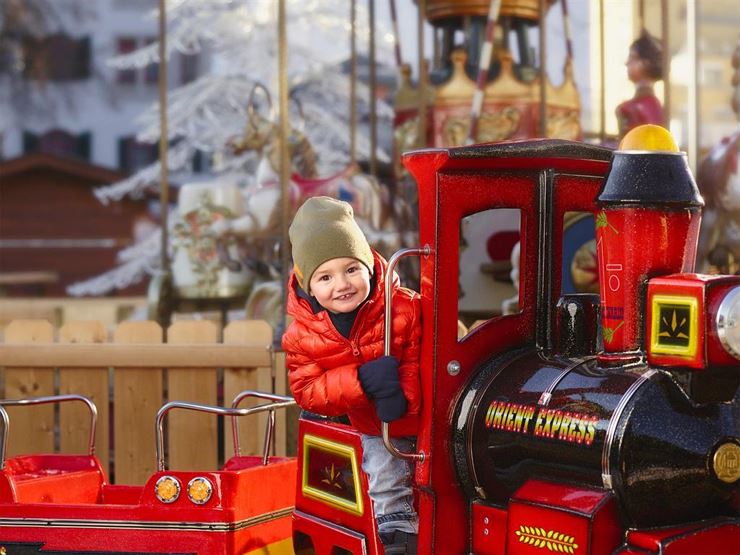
(129, 378)
(60, 310)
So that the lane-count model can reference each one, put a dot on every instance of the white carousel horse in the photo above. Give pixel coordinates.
(259, 224)
(369, 200)
(718, 179)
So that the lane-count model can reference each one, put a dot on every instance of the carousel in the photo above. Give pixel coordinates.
(489, 78)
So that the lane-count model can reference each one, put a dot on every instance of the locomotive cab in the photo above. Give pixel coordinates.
(560, 435)
(546, 182)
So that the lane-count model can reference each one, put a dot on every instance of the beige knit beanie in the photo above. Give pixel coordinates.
(322, 229)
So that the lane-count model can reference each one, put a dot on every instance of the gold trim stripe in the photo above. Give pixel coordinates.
(145, 525)
(342, 450)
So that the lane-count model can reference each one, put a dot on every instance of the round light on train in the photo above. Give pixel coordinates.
(199, 490)
(728, 322)
(167, 489)
(725, 462)
(649, 137)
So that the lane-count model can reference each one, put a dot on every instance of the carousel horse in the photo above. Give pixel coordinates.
(718, 179)
(369, 199)
(259, 225)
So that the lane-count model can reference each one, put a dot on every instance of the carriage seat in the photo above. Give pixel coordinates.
(245, 462)
(51, 479)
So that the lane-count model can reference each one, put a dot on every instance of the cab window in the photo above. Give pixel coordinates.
(488, 269)
(579, 270)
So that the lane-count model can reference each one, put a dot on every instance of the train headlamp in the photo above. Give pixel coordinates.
(728, 322)
(200, 490)
(167, 489)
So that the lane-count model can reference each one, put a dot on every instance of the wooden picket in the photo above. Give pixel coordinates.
(138, 394)
(33, 427)
(193, 442)
(251, 429)
(74, 418)
(143, 373)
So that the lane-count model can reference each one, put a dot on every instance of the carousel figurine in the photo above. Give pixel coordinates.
(718, 178)
(644, 68)
(736, 80)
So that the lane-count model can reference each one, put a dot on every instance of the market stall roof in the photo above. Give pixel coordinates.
(96, 175)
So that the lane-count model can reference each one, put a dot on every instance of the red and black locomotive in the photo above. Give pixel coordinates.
(582, 424)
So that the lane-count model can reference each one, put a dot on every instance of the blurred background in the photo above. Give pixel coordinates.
(84, 98)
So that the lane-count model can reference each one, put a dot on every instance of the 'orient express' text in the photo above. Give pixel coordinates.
(569, 426)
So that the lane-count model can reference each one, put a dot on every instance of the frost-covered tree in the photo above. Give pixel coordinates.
(240, 40)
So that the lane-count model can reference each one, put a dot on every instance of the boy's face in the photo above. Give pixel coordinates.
(340, 284)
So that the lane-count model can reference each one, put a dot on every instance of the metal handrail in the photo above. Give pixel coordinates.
(43, 401)
(426, 250)
(162, 412)
(280, 401)
(4, 441)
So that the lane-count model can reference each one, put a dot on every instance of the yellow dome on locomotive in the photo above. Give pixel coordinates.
(649, 137)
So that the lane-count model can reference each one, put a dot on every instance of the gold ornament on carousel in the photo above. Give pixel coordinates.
(510, 107)
(524, 9)
(511, 95)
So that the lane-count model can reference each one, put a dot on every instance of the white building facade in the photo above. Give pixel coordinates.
(85, 108)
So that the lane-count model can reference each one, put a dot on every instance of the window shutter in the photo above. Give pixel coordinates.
(84, 143)
(30, 142)
(123, 163)
(84, 59)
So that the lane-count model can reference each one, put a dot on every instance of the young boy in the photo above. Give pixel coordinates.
(334, 353)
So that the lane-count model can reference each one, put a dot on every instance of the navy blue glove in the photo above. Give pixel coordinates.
(379, 379)
(391, 408)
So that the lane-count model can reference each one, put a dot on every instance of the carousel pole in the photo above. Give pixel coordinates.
(693, 92)
(602, 74)
(567, 31)
(164, 189)
(284, 157)
(484, 63)
(353, 83)
(543, 71)
(665, 28)
(373, 89)
(422, 133)
(396, 37)
(160, 296)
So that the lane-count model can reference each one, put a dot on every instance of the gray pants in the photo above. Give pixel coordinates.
(389, 481)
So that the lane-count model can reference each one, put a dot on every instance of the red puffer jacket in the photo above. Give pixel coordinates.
(322, 364)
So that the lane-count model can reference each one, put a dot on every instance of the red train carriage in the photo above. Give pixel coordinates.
(64, 504)
(580, 424)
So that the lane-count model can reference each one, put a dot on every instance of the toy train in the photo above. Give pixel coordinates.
(580, 424)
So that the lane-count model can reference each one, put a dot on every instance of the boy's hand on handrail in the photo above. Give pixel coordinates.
(379, 379)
